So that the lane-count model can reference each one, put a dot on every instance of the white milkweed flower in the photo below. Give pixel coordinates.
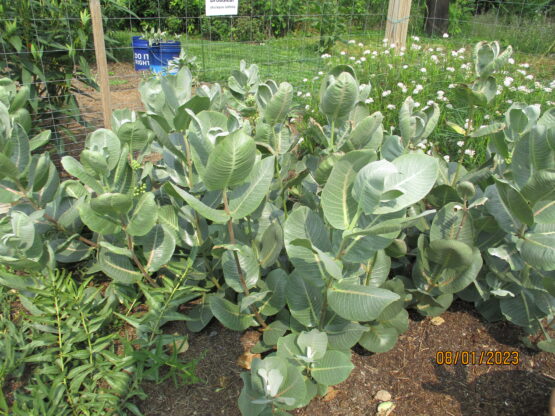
(465, 66)
(446, 35)
(366, 52)
(547, 89)
(469, 152)
(524, 65)
(391, 107)
(430, 103)
(423, 70)
(307, 94)
(460, 143)
(454, 53)
(369, 101)
(434, 58)
(386, 93)
(508, 81)
(405, 66)
(363, 59)
(450, 69)
(529, 76)
(511, 61)
(440, 93)
(416, 38)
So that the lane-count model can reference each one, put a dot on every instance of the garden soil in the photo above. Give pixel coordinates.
(409, 372)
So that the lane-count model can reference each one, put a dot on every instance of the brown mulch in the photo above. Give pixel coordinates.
(409, 372)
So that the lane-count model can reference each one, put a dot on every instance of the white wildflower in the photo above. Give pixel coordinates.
(445, 35)
(386, 93)
(391, 107)
(369, 101)
(352, 42)
(446, 157)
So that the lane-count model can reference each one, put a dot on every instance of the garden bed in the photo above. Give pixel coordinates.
(409, 372)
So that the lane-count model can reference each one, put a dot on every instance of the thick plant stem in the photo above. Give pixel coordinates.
(246, 291)
(138, 262)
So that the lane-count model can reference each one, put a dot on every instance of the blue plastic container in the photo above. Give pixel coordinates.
(141, 56)
(161, 53)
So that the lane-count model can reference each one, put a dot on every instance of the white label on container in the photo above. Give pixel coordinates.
(221, 7)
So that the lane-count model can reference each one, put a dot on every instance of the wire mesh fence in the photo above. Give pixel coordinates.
(47, 44)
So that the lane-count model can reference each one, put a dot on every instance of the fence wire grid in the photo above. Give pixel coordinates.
(285, 38)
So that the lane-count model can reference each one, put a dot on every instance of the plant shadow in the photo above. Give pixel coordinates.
(498, 392)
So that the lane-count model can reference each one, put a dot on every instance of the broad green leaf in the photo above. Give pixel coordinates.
(540, 191)
(368, 188)
(250, 271)
(106, 142)
(342, 334)
(144, 215)
(514, 202)
(230, 162)
(359, 303)
(304, 299)
(158, 247)
(112, 204)
(247, 198)
(271, 245)
(215, 215)
(229, 314)
(417, 175)
(366, 134)
(379, 338)
(278, 107)
(450, 253)
(313, 344)
(23, 229)
(276, 282)
(538, 247)
(7, 167)
(453, 223)
(118, 267)
(74, 168)
(101, 224)
(488, 130)
(495, 205)
(334, 368)
(304, 224)
(338, 204)
(339, 97)
(73, 252)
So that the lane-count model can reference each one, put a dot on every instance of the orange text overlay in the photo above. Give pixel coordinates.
(477, 357)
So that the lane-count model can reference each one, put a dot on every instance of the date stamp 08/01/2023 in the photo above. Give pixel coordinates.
(477, 357)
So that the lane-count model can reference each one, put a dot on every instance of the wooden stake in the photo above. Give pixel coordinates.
(101, 63)
(398, 15)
